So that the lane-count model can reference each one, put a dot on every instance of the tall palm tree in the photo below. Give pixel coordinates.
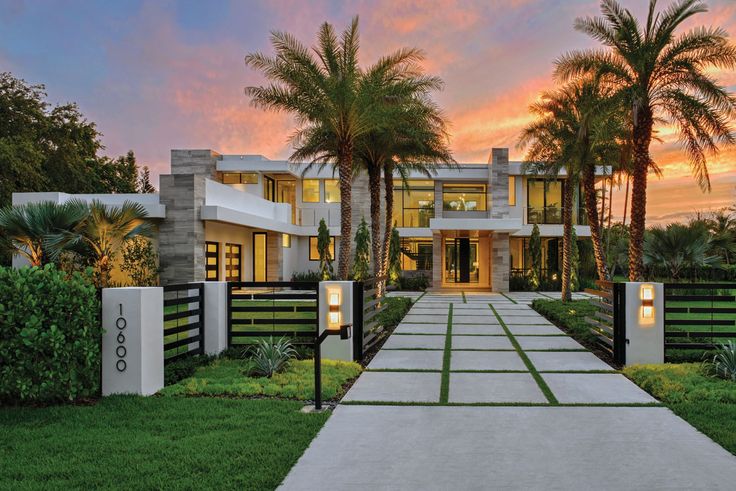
(662, 77)
(102, 234)
(578, 128)
(28, 227)
(332, 99)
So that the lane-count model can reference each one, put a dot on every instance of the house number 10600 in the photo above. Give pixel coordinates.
(121, 351)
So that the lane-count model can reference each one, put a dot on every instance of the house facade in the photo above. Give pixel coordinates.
(248, 218)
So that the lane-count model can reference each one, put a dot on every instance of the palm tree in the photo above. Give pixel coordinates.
(722, 226)
(28, 227)
(662, 77)
(102, 234)
(334, 102)
(578, 127)
(677, 247)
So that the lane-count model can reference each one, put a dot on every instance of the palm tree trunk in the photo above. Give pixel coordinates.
(374, 185)
(567, 241)
(595, 227)
(603, 201)
(388, 184)
(610, 203)
(626, 201)
(345, 170)
(642, 138)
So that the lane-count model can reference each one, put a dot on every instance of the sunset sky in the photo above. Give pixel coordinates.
(159, 75)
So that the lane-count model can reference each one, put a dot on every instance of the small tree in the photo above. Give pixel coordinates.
(362, 262)
(394, 257)
(140, 261)
(535, 252)
(574, 262)
(323, 248)
(144, 181)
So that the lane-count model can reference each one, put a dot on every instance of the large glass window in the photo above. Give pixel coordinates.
(239, 178)
(544, 201)
(414, 204)
(310, 191)
(314, 251)
(332, 191)
(416, 254)
(520, 259)
(464, 197)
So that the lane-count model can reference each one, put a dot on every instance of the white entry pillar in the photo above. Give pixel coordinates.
(133, 342)
(644, 318)
(215, 317)
(335, 309)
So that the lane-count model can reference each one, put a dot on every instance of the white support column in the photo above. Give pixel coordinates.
(333, 347)
(133, 342)
(644, 317)
(215, 317)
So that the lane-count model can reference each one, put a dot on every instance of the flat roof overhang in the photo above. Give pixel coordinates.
(244, 219)
(509, 225)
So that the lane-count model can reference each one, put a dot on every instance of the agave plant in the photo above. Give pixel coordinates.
(269, 356)
(724, 361)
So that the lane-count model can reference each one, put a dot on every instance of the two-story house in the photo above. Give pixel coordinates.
(248, 218)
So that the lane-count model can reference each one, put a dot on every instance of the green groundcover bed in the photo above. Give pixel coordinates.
(708, 403)
(224, 377)
(130, 442)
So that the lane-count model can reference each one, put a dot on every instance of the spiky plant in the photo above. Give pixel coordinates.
(268, 356)
(723, 363)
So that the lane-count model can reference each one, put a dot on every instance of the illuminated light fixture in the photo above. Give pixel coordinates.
(646, 294)
(333, 316)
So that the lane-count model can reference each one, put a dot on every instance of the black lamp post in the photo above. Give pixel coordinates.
(344, 331)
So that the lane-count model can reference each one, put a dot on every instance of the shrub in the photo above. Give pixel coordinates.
(184, 367)
(269, 356)
(396, 309)
(413, 283)
(50, 335)
(568, 315)
(306, 276)
(140, 261)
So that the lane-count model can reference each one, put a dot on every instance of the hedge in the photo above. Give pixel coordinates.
(50, 336)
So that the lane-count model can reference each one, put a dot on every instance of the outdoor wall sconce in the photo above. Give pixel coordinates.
(646, 294)
(333, 315)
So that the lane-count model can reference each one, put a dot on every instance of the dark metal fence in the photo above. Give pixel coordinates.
(260, 309)
(699, 316)
(607, 323)
(366, 323)
(183, 321)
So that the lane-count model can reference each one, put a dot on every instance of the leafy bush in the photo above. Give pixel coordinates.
(269, 356)
(568, 315)
(184, 367)
(413, 283)
(140, 261)
(50, 335)
(396, 309)
(724, 361)
(306, 276)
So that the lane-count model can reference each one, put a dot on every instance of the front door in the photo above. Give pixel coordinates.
(461, 260)
(462, 246)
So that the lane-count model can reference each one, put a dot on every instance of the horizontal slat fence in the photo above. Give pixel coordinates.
(183, 321)
(257, 310)
(368, 304)
(606, 324)
(699, 316)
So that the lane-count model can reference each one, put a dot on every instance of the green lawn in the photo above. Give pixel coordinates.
(224, 377)
(132, 442)
(706, 402)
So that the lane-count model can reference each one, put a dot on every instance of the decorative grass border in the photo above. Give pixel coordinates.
(446, 359)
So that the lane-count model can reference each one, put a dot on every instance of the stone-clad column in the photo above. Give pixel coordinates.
(437, 265)
(499, 183)
(438, 199)
(500, 262)
(199, 162)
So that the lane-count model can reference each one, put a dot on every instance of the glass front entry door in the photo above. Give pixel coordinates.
(461, 260)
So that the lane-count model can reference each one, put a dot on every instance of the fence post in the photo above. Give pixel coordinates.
(358, 302)
(619, 323)
(333, 347)
(133, 342)
(215, 317)
(643, 322)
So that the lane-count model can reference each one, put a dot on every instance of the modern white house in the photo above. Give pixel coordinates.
(249, 218)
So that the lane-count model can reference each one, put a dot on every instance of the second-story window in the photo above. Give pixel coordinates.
(544, 201)
(332, 191)
(512, 190)
(310, 191)
(239, 178)
(414, 204)
(464, 197)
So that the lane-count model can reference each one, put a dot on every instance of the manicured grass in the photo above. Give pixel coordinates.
(132, 442)
(446, 360)
(568, 315)
(225, 377)
(706, 402)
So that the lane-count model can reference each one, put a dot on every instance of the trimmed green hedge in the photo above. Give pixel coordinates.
(50, 336)
(569, 315)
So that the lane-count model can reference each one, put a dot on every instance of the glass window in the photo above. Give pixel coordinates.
(416, 254)
(249, 178)
(464, 197)
(512, 190)
(269, 189)
(239, 178)
(544, 201)
(233, 256)
(310, 191)
(231, 178)
(212, 263)
(414, 204)
(332, 191)
(314, 252)
(260, 261)
(286, 241)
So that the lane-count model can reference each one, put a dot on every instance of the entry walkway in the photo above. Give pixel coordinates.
(478, 391)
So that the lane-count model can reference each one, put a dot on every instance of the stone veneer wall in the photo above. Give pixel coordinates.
(499, 182)
(500, 262)
(181, 243)
(274, 257)
(361, 201)
(437, 266)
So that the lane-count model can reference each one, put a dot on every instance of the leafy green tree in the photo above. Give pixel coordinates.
(394, 255)
(362, 260)
(29, 227)
(535, 254)
(677, 247)
(140, 262)
(660, 76)
(102, 234)
(323, 248)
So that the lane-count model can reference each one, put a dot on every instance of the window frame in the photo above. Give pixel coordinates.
(460, 185)
(209, 267)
